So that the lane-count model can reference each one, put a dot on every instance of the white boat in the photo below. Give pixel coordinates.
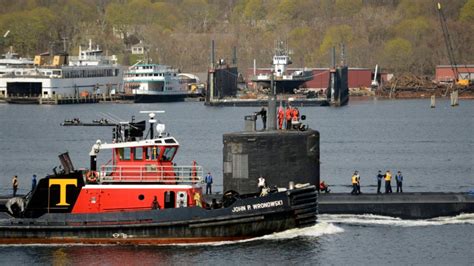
(60, 75)
(150, 83)
(11, 61)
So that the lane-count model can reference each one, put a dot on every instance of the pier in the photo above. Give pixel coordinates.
(264, 102)
(66, 99)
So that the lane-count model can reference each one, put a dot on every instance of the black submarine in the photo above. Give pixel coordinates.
(283, 155)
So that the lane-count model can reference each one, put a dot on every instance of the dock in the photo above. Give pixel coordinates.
(67, 99)
(415, 205)
(264, 102)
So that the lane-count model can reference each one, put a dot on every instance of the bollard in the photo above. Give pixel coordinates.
(250, 122)
(433, 101)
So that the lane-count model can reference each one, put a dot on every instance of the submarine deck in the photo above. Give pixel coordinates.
(414, 205)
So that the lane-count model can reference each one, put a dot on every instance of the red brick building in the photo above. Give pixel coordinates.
(445, 73)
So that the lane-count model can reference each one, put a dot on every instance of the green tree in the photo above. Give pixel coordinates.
(287, 9)
(118, 17)
(334, 36)
(397, 53)
(413, 29)
(30, 31)
(347, 8)
(199, 14)
(74, 18)
(467, 12)
(300, 41)
(167, 15)
(254, 10)
(412, 9)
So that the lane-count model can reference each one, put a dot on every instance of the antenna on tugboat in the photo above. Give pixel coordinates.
(160, 127)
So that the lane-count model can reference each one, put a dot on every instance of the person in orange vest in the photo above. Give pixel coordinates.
(281, 115)
(295, 117)
(296, 114)
(288, 117)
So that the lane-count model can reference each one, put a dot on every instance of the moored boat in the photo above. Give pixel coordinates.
(140, 196)
(285, 80)
(150, 83)
(60, 76)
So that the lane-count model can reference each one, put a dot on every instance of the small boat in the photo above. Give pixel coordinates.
(140, 196)
(78, 122)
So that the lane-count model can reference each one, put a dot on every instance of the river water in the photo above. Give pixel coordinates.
(432, 147)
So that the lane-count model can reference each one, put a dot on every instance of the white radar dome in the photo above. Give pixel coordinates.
(160, 128)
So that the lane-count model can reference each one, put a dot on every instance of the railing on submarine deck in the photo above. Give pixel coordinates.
(151, 174)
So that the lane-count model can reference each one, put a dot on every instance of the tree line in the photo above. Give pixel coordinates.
(399, 35)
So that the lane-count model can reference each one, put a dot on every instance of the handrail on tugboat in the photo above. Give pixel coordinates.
(151, 173)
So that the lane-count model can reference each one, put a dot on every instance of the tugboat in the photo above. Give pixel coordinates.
(141, 197)
(285, 81)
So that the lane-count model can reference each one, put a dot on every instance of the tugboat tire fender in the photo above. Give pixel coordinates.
(15, 206)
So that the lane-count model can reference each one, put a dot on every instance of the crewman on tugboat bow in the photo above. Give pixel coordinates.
(208, 180)
(155, 205)
(197, 199)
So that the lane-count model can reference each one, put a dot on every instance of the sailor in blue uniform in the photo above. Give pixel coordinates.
(208, 180)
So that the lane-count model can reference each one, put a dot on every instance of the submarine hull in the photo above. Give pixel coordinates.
(417, 205)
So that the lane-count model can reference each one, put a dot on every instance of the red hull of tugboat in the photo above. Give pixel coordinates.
(108, 241)
(123, 197)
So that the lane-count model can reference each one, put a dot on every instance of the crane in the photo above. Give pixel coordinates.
(447, 40)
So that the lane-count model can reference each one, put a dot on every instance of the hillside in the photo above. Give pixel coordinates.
(399, 35)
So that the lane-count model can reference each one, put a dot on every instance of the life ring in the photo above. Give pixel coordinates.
(92, 176)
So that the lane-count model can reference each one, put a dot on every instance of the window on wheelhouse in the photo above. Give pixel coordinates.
(168, 154)
(124, 154)
(152, 153)
(138, 154)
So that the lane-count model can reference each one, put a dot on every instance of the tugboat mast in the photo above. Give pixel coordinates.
(160, 127)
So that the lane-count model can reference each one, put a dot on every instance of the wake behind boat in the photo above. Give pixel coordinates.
(141, 197)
